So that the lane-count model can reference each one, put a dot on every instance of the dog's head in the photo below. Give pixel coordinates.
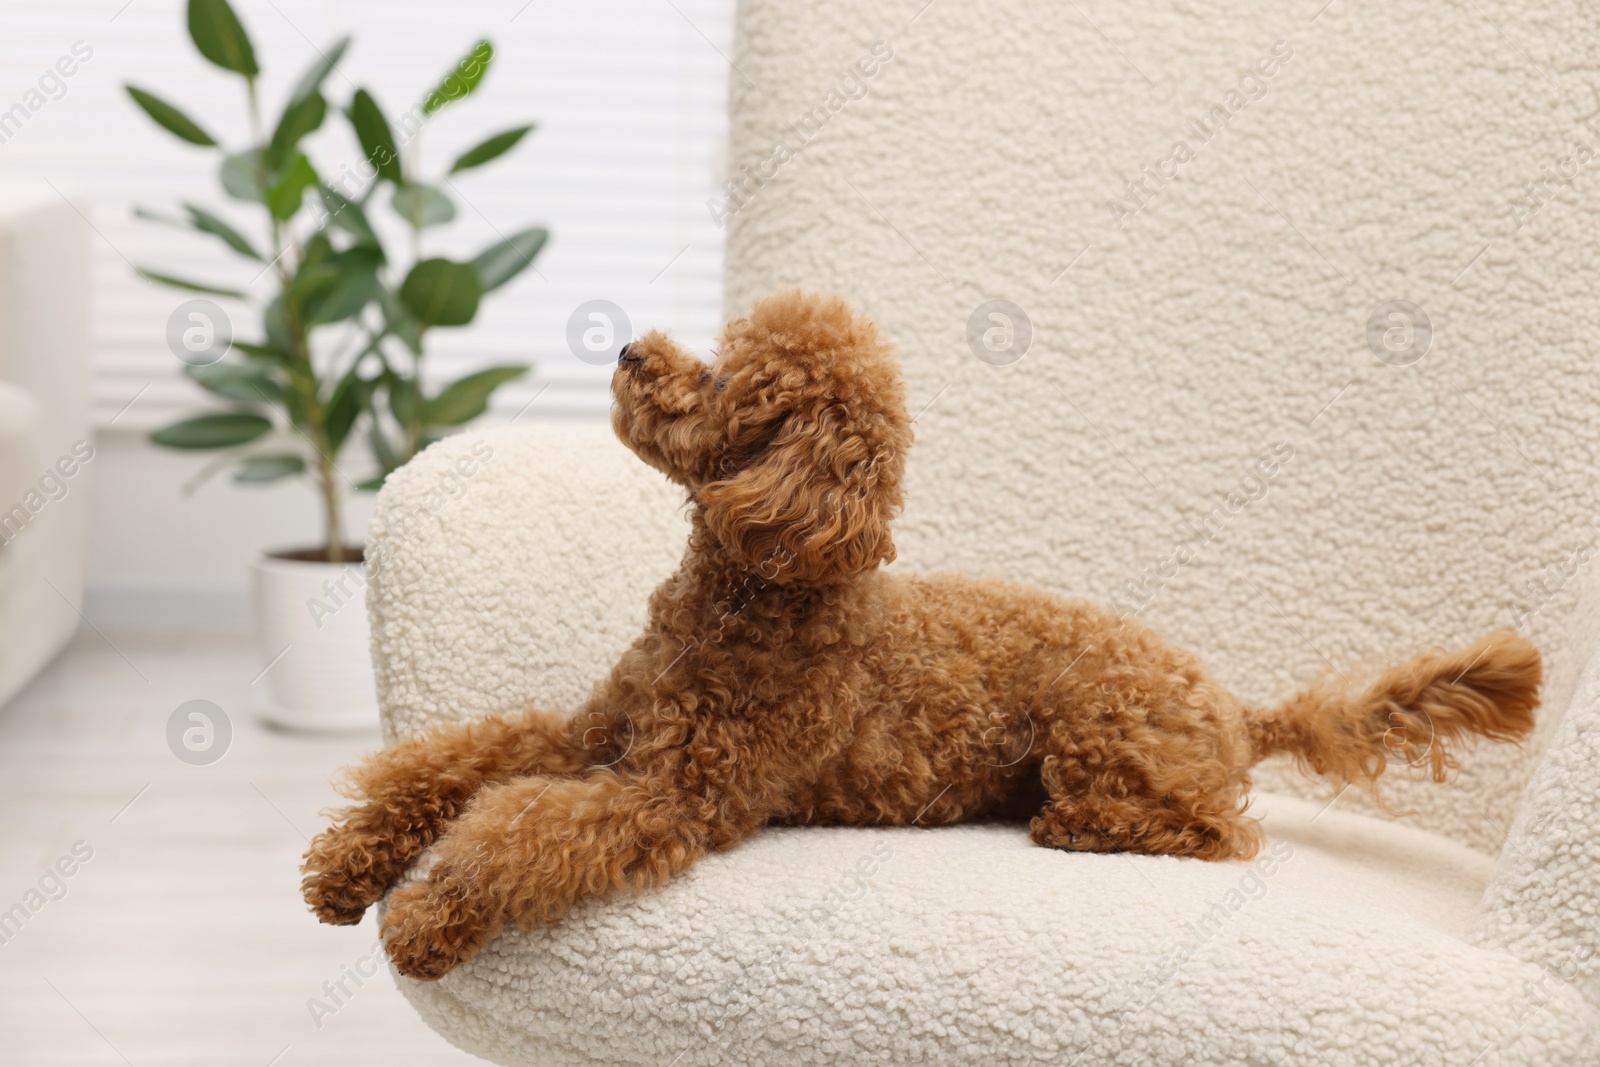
(792, 441)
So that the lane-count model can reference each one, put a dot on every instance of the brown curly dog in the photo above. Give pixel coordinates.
(783, 677)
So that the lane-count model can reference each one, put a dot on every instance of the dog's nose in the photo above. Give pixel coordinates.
(626, 356)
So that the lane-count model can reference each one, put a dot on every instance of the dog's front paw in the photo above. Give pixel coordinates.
(433, 924)
(345, 871)
(332, 899)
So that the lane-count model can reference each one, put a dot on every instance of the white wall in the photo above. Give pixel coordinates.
(160, 559)
(629, 97)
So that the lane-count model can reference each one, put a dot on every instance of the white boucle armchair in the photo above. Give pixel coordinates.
(512, 566)
(1186, 313)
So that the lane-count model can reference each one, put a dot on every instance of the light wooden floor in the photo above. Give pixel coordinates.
(183, 940)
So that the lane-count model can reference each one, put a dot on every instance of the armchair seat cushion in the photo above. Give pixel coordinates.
(970, 945)
(513, 566)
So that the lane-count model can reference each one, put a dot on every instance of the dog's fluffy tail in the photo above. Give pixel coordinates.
(1415, 712)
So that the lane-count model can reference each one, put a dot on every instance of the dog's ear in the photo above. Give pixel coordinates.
(814, 505)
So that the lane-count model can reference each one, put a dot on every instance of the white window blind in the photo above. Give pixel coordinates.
(628, 97)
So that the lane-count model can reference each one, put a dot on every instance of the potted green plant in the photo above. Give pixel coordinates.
(344, 327)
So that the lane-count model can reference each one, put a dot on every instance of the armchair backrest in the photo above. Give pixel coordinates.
(1275, 325)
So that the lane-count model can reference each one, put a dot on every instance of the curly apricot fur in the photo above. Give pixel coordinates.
(784, 677)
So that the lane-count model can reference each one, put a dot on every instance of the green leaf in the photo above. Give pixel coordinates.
(347, 215)
(170, 118)
(294, 406)
(289, 185)
(241, 176)
(212, 431)
(344, 406)
(298, 120)
(422, 205)
(467, 398)
(311, 81)
(206, 222)
(504, 260)
(220, 37)
(377, 140)
(158, 216)
(373, 484)
(402, 399)
(484, 151)
(258, 470)
(317, 249)
(400, 322)
(462, 79)
(247, 383)
(329, 286)
(355, 286)
(260, 351)
(440, 292)
(312, 283)
(183, 283)
(360, 259)
(275, 320)
(387, 455)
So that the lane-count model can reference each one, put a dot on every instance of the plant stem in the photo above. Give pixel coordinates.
(302, 375)
(414, 431)
(333, 508)
(317, 434)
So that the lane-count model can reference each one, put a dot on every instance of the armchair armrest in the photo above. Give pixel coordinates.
(512, 567)
(1543, 902)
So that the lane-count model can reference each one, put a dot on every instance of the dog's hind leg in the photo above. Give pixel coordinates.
(1122, 778)
(410, 791)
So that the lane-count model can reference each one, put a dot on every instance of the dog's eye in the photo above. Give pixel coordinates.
(722, 383)
(705, 376)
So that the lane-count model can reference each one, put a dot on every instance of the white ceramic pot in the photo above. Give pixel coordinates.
(311, 623)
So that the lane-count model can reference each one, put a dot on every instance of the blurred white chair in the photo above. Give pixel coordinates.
(44, 427)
